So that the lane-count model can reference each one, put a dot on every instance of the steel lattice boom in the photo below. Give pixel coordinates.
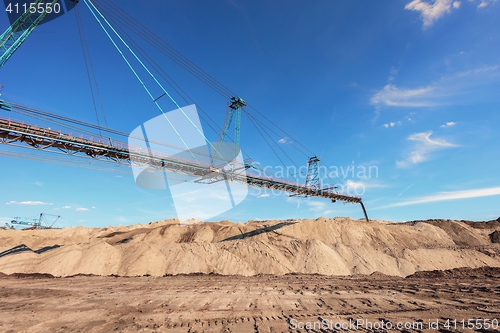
(12, 132)
(12, 38)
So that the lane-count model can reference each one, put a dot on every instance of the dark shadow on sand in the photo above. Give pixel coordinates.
(23, 248)
(259, 231)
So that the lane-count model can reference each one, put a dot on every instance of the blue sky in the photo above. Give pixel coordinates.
(405, 89)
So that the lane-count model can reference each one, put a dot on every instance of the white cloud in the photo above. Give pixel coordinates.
(425, 137)
(448, 124)
(358, 188)
(446, 196)
(264, 195)
(284, 140)
(483, 3)
(432, 11)
(392, 124)
(353, 185)
(391, 95)
(4, 220)
(447, 90)
(66, 207)
(316, 206)
(477, 71)
(423, 146)
(28, 203)
(393, 72)
(407, 188)
(82, 209)
(122, 219)
(320, 207)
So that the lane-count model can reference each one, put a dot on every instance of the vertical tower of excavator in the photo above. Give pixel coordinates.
(235, 105)
(234, 111)
(313, 179)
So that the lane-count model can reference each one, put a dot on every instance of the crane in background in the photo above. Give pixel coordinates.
(38, 223)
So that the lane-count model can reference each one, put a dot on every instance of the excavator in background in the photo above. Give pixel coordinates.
(38, 223)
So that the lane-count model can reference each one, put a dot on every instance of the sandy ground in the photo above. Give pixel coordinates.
(214, 303)
(316, 275)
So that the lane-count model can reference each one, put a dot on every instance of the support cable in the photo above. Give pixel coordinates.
(150, 37)
(288, 135)
(135, 73)
(124, 18)
(125, 21)
(154, 78)
(251, 120)
(277, 134)
(277, 146)
(327, 176)
(80, 27)
(171, 82)
(155, 41)
(85, 43)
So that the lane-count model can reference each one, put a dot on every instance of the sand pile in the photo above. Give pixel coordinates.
(339, 246)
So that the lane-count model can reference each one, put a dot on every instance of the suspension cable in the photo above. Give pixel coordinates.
(246, 112)
(84, 51)
(77, 11)
(291, 137)
(157, 82)
(125, 19)
(277, 134)
(271, 147)
(155, 41)
(171, 82)
(150, 37)
(135, 73)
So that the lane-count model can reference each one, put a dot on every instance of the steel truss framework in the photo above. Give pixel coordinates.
(12, 132)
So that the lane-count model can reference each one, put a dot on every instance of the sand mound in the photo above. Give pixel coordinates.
(495, 236)
(459, 273)
(464, 233)
(339, 246)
